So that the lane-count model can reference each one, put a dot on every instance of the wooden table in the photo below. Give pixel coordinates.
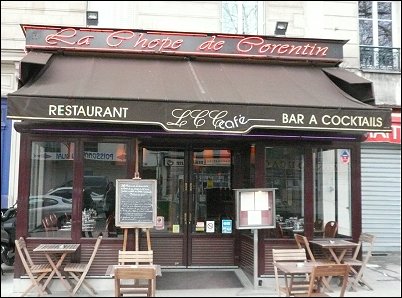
(292, 269)
(333, 244)
(59, 251)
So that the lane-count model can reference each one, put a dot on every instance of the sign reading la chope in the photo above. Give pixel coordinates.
(178, 43)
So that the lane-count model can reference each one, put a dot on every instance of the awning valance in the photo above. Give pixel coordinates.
(197, 96)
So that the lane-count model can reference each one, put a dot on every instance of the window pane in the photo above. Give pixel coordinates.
(229, 17)
(250, 17)
(365, 9)
(103, 164)
(385, 34)
(50, 201)
(332, 181)
(384, 10)
(284, 171)
(367, 57)
(211, 182)
(167, 167)
(366, 32)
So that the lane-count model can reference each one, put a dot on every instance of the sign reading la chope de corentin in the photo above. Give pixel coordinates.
(198, 117)
(180, 43)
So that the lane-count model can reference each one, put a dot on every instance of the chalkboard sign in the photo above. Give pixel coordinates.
(135, 203)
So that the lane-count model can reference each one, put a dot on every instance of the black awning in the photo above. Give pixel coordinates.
(32, 64)
(197, 96)
(354, 85)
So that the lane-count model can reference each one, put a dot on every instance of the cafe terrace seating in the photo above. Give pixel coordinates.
(330, 229)
(358, 267)
(290, 255)
(79, 271)
(135, 274)
(36, 272)
(319, 275)
(136, 257)
(302, 242)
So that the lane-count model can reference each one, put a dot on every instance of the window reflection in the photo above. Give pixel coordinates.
(332, 182)
(240, 17)
(49, 203)
(52, 188)
(167, 167)
(103, 164)
(284, 169)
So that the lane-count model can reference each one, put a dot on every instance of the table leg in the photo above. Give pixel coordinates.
(57, 272)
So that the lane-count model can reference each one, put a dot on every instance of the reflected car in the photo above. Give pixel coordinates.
(44, 205)
(67, 193)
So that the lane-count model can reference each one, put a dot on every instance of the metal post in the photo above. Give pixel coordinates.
(255, 258)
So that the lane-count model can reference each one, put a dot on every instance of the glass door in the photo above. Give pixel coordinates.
(194, 203)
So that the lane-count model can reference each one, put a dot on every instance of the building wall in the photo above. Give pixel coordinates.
(308, 19)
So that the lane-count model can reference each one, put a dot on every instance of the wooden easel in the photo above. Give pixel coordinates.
(137, 232)
(136, 240)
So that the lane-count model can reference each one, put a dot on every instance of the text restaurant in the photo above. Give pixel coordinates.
(204, 115)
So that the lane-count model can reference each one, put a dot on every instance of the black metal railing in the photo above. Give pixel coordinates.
(380, 58)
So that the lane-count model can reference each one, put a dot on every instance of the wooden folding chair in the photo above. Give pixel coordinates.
(330, 229)
(49, 223)
(289, 255)
(35, 272)
(136, 257)
(320, 273)
(302, 242)
(137, 274)
(367, 240)
(79, 271)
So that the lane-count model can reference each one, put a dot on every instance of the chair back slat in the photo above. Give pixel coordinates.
(330, 229)
(286, 255)
(23, 252)
(137, 257)
(302, 242)
(320, 272)
(293, 255)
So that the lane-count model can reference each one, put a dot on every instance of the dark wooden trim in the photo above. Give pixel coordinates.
(308, 193)
(356, 200)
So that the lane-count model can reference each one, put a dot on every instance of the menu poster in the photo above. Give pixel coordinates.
(136, 203)
(255, 208)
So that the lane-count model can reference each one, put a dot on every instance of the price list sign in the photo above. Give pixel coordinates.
(136, 203)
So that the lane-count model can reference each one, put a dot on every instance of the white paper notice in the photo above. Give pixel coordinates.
(247, 201)
(254, 218)
(210, 226)
(261, 200)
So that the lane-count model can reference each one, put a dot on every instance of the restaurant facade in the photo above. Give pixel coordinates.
(203, 114)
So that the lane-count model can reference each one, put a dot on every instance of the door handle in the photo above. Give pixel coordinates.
(185, 217)
(189, 218)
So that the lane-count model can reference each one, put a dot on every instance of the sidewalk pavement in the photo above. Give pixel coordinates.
(383, 273)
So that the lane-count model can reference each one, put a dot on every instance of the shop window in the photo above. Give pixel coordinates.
(103, 164)
(242, 17)
(284, 167)
(332, 189)
(167, 167)
(50, 204)
(376, 36)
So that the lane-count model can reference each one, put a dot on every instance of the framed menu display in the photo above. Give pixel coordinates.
(255, 208)
(136, 203)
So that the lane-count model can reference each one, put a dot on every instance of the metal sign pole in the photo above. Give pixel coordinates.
(255, 258)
